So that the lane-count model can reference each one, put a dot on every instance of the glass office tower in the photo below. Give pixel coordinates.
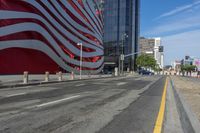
(121, 31)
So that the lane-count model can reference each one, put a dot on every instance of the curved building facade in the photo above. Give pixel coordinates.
(42, 35)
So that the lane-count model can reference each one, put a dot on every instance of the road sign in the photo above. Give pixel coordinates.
(122, 57)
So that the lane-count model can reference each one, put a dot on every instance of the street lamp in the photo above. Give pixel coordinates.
(81, 56)
(124, 36)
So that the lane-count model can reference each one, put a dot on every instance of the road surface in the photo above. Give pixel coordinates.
(109, 105)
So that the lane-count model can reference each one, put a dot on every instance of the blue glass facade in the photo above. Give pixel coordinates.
(121, 17)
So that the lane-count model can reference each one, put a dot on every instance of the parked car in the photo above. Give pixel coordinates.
(145, 72)
(107, 72)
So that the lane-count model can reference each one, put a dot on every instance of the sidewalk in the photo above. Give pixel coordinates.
(182, 105)
(190, 90)
(15, 80)
(172, 122)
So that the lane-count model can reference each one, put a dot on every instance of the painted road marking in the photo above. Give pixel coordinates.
(121, 83)
(79, 85)
(100, 83)
(160, 117)
(57, 101)
(18, 94)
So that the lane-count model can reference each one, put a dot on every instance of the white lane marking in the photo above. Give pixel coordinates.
(18, 94)
(79, 85)
(99, 83)
(121, 83)
(57, 101)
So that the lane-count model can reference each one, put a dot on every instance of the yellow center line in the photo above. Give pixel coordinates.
(160, 117)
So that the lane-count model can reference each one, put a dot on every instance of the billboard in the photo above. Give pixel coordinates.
(197, 63)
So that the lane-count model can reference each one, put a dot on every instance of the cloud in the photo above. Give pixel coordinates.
(179, 9)
(179, 30)
(177, 25)
(178, 45)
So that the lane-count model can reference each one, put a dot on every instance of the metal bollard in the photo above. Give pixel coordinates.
(131, 72)
(128, 70)
(72, 75)
(116, 71)
(25, 77)
(46, 77)
(60, 76)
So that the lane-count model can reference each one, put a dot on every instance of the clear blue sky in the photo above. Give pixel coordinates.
(177, 22)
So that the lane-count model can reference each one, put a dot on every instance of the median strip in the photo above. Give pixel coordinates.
(160, 117)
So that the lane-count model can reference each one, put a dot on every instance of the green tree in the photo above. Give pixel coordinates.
(188, 69)
(157, 68)
(146, 61)
(183, 70)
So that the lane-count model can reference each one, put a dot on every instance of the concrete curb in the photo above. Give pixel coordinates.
(50, 82)
(189, 121)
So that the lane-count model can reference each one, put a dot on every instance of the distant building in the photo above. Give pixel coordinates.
(152, 46)
(188, 60)
(177, 66)
(176, 63)
(196, 62)
(147, 46)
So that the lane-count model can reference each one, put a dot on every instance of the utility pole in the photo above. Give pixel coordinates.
(118, 36)
(124, 36)
(122, 55)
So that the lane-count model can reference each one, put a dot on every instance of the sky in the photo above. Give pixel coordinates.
(177, 22)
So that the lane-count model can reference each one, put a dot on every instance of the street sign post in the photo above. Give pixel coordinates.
(122, 57)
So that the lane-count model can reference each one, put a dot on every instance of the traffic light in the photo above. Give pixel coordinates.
(161, 49)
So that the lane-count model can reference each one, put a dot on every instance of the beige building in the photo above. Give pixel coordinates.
(151, 46)
(147, 45)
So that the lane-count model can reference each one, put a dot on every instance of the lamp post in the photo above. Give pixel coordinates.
(81, 56)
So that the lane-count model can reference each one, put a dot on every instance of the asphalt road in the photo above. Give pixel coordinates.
(110, 105)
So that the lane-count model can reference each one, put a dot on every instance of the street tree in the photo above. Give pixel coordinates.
(146, 61)
(188, 69)
(157, 68)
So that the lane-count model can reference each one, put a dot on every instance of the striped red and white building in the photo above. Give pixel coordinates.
(42, 35)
